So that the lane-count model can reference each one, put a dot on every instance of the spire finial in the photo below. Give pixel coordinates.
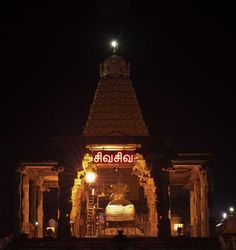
(114, 45)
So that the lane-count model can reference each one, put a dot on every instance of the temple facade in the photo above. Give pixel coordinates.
(126, 179)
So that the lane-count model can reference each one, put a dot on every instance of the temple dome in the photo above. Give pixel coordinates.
(114, 67)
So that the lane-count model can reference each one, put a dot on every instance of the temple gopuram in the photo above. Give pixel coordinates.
(125, 180)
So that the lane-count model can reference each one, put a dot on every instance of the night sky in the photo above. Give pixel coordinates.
(182, 57)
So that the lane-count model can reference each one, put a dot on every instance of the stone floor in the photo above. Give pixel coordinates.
(117, 243)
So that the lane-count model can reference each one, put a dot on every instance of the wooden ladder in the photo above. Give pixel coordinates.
(91, 216)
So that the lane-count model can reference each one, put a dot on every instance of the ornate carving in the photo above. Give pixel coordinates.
(76, 195)
(141, 170)
(115, 110)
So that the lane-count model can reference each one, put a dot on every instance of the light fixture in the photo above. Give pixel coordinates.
(231, 209)
(224, 215)
(114, 45)
(90, 177)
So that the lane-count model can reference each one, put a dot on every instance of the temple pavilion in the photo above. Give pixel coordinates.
(125, 178)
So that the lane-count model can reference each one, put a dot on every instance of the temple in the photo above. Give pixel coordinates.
(125, 178)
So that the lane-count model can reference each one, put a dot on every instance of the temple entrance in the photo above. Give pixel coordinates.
(121, 197)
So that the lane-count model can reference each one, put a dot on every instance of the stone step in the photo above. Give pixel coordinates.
(117, 243)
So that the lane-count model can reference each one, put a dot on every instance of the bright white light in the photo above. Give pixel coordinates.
(224, 215)
(36, 223)
(90, 177)
(114, 44)
(231, 209)
(178, 225)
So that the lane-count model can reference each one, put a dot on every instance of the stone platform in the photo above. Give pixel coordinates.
(119, 242)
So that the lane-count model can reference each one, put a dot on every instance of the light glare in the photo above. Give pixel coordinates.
(90, 177)
(224, 215)
(231, 209)
(178, 225)
(114, 44)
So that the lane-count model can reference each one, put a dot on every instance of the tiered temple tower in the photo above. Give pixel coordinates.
(115, 110)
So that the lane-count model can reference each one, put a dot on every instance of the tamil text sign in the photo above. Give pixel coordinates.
(113, 157)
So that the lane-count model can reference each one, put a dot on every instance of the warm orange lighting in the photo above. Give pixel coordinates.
(113, 147)
(178, 225)
(90, 177)
(120, 212)
(51, 228)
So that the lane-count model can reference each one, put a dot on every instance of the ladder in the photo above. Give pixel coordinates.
(91, 214)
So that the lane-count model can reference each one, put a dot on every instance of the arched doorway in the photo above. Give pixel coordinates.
(142, 193)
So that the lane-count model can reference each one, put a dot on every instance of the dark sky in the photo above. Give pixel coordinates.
(182, 57)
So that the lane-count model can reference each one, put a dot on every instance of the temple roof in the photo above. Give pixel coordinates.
(115, 110)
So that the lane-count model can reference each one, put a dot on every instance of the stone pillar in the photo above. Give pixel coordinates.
(25, 204)
(197, 206)
(210, 199)
(77, 220)
(204, 207)
(163, 205)
(40, 213)
(33, 202)
(193, 214)
(64, 207)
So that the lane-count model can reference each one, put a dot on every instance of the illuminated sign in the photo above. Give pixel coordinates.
(113, 157)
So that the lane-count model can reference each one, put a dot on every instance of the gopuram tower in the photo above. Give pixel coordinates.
(127, 180)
